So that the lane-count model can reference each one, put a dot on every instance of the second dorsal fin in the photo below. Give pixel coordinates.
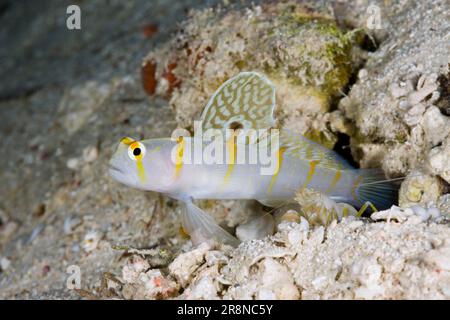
(300, 147)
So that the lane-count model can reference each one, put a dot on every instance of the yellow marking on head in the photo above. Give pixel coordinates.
(138, 156)
(337, 176)
(312, 168)
(232, 150)
(277, 170)
(134, 145)
(127, 141)
(140, 170)
(179, 158)
(355, 186)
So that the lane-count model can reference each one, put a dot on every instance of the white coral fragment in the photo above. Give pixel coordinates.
(439, 160)
(403, 214)
(183, 267)
(368, 272)
(91, 240)
(439, 258)
(276, 282)
(426, 85)
(135, 265)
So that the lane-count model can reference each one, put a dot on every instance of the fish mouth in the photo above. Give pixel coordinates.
(121, 176)
(114, 169)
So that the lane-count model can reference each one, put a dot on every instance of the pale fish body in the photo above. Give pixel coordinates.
(245, 181)
(299, 163)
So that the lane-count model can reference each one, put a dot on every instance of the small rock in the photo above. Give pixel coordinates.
(290, 216)
(73, 163)
(70, 223)
(415, 214)
(135, 265)
(414, 115)
(256, 227)
(368, 272)
(353, 225)
(426, 86)
(4, 263)
(215, 257)
(91, 240)
(7, 230)
(439, 258)
(319, 283)
(439, 160)
(362, 74)
(183, 267)
(293, 234)
(154, 285)
(419, 188)
(204, 286)
(394, 213)
(266, 294)
(435, 125)
(90, 154)
(277, 281)
(398, 91)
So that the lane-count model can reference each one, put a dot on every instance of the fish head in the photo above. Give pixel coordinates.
(144, 165)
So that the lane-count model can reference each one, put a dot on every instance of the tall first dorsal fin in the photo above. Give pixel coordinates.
(246, 101)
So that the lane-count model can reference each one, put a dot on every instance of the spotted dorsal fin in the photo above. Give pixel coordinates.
(300, 147)
(246, 101)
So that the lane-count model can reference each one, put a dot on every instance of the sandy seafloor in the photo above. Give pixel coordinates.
(67, 97)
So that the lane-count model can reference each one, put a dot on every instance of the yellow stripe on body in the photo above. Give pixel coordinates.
(355, 186)
(275, 175)
(179, 158)
(336, 178)
(312, 168)
(232, 149)
(140, 170)
(309, 151)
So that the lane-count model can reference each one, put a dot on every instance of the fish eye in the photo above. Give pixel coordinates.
(136, 151)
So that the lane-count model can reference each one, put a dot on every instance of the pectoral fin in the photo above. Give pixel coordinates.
(201, 227)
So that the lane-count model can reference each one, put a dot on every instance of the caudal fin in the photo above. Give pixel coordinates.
(376, 188)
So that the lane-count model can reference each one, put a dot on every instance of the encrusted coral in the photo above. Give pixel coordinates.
(420, 188)
(306, 55)
(404, 257)
(398, 104)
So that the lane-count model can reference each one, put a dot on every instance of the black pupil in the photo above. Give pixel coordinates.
(137, 151)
